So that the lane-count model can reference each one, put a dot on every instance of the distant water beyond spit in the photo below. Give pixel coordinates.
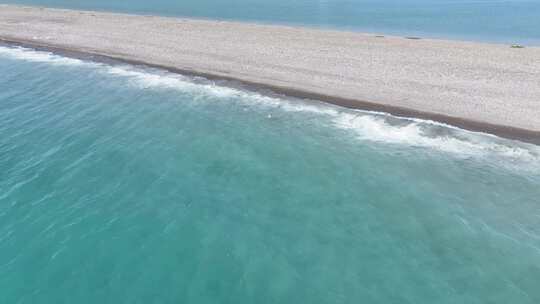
(514, 21)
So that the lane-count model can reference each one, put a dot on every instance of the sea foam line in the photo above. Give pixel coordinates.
(365, 125)
(31, 55)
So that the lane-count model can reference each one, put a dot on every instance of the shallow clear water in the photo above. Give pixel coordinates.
(122, 184)
(506, 21)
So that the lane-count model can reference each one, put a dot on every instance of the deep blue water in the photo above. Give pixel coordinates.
(123, 184)
(505, 21)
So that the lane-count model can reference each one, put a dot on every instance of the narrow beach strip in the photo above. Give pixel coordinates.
(483, 87)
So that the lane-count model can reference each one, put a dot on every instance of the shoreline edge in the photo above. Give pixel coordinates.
(502, 130)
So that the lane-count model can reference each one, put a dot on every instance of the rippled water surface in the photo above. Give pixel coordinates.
(507, 21)
(123, 184)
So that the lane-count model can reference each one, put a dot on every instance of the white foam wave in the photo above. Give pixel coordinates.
(146, 78)
(152, 78)
(427, 134)
(39, 56)
(365, 125)
(375, 128)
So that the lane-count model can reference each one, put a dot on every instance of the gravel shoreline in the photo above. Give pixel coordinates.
(484, 87)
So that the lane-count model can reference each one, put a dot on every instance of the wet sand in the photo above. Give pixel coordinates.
(485, 87)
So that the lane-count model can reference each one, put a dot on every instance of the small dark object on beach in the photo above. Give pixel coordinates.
(379, 36)
(517, 46)
(413, 38)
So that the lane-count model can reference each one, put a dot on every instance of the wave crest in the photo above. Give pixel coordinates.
(365, 125)
(26, 54)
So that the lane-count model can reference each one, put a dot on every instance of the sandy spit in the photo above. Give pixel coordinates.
(479, 86)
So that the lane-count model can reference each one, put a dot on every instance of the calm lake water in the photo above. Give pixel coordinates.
(122, 184)
(505, 21)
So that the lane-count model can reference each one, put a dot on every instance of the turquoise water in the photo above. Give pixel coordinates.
(506, 21)
(122, 184)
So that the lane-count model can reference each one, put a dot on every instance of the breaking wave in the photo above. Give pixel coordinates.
(39, 56)
(365, 125)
